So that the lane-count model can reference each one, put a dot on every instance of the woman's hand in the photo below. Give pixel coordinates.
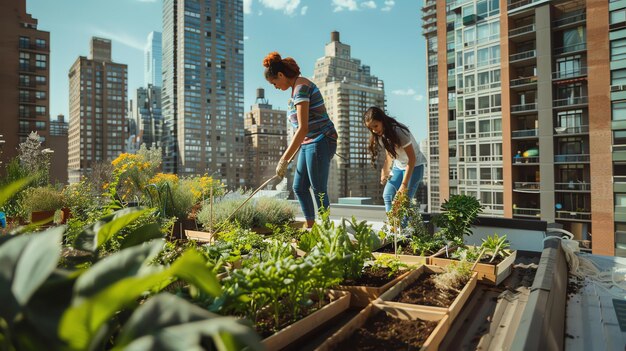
(402, 188)
(383, 178)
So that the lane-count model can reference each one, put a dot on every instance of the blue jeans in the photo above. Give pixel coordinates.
(394, 183)
(312, 172)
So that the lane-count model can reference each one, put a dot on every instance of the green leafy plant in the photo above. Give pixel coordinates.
(456, 276)
(458, 214)
(387, 261)
(45, 198)
(496, 246)
(469, 253)
(45, 307)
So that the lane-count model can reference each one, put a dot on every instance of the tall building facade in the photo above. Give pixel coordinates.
(202, 94)
(57, 141)
(349, 89)
(524, 84)
(97, 121)
(265, 140)
(152, 55)
(25, 73)
(148, 116)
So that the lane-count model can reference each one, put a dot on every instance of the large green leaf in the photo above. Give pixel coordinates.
(142, 234)
(99, 232)
(20, 274)
(122, 264)
(81, 322)
(38, 259)
(6, 192)
(120, 220)
(192, 268)
(167, 322)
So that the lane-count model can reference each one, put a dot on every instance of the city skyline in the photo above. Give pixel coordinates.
(80, 21)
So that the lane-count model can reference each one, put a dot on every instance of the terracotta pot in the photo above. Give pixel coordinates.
(42, 217)
(66, 214)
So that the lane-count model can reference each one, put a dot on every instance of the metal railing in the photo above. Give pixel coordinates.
(571, 158)
(572, 130)
(523, 160)
(573, 186)
(522, 30)
(569, 19)
(524, 107)
(526, 186)
(574, 100)
(582, 215)
(523, 81)
(516, 4)
(570, 48)
(523, 55)
(619, 179)
(521, 211)
(570, 73)
(524, 133)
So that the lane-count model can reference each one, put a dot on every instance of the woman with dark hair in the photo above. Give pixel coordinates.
(315, 134)
(402, 152)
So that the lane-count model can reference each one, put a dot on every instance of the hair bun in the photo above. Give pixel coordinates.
(271, 57)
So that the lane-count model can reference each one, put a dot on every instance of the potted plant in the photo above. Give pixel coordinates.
(495, 259)
(41, 203)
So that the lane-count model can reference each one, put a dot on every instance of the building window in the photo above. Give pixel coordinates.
(24, 42)
(568, 66)
(40, 125)
(618, 77)
(40, 110)
(574, 39)
(41, 43)
(40, 95)
(617, 18)
(618, 49)
(41, 61)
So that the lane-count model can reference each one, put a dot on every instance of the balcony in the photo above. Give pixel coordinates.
(583, 158)
(570, 73)
(526, 212)
(520, 161)
(577, 186)
(526, 187)
(524, 107)
(570, 101)
(578, 215)
(523, 55)
(570, 48)
(523, 81)
(528, 133)
(572, 130)
(577, 18)
(429, 22)
(522, 30)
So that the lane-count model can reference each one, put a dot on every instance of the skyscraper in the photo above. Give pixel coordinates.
(147, 114)
(265, 141)
(57, 141)
(97, 129)
(25, 72)
(349, 89)
(152, 57)
(519, 90)
(202, 93)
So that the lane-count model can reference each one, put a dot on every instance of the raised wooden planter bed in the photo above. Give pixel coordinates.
(361, 320)
(487, 273)
(452, 311)
(288, 335)
(408, 259)
(363, 295)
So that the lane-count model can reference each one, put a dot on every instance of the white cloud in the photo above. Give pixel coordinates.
(121, 38)
(245, 37)
(388, 5)
(340, 5)
(419, 97)
(247, 7)
(303, 10)
(369, 4)
(287, 6)
(404, 92)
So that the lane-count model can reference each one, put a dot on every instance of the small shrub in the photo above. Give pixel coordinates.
(455, 277)
(275, 211)
(43, 198)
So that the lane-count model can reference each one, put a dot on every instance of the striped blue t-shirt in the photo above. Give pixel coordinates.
(320, 124)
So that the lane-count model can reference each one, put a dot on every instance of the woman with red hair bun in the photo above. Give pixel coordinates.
(315, 134)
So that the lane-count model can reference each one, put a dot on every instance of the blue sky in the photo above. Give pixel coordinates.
(383, 34)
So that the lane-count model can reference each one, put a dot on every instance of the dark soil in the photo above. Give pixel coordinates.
(387, 333)
(266, 326)
(573, 285)
(487, 258)
(373, 278)
(423, 292)
(403, 249)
